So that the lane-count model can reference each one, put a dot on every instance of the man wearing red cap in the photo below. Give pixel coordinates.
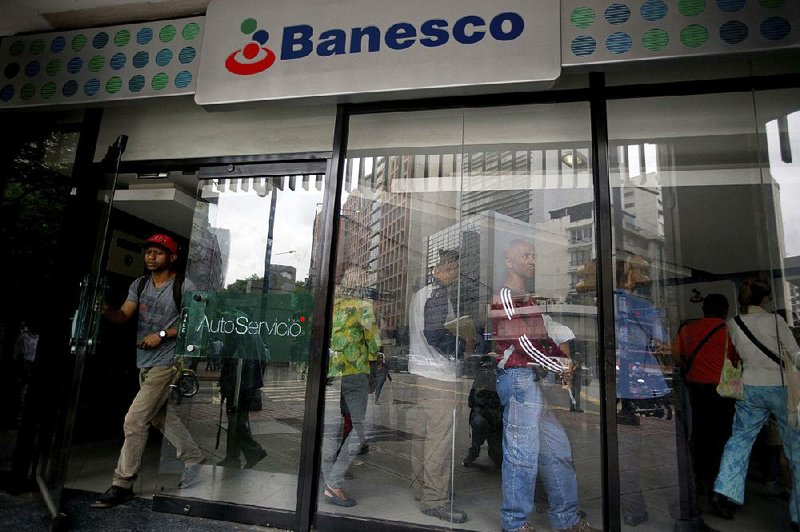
(151, 297)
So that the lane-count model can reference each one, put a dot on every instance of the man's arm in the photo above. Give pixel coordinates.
(122, 314)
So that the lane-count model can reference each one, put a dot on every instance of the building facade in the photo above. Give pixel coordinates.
(285, 145)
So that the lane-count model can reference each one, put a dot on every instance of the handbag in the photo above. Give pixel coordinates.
(731, 384)
(790, 375)
(730, 380)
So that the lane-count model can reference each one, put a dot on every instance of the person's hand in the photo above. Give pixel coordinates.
(566, 374)
(151, 341)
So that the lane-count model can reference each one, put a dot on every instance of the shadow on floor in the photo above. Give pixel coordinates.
(27, 512)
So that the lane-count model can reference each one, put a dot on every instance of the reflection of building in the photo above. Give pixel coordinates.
(281, 280)
(207, 260)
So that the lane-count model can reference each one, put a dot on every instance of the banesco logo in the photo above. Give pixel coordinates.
(299, 41)
(254, 57)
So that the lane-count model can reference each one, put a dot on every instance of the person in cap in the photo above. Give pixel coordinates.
(151, 298)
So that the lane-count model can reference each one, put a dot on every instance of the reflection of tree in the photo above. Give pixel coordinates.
(35, 184)
(255, 282)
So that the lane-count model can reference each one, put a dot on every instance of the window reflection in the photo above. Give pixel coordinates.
(431, 222)
(696, 216)
(245, 333)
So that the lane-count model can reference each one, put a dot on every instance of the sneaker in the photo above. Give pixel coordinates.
(581, 526)
(113, 496)
(446, 512)
(191, 474)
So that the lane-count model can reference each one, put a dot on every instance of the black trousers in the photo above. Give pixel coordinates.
(240, 439)
(487, 427)
(712, 419)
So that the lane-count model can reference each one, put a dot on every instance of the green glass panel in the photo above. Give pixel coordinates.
(167, 33)
(113, 85)
(655, 39)
(694, 36)
(48, 90)
(28, 91)
(691, 8)
(96, 63)
(79, 41)
(582, 17)
(53, 67)
(122, 37)
(160, 81)
(37, 46)
(191, 30)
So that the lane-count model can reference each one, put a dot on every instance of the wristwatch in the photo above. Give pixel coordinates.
(162, 334)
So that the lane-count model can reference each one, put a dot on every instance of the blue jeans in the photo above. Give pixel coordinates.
(751, 414)
(355, 389)
(533, 442)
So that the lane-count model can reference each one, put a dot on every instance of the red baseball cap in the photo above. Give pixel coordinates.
(163, 241)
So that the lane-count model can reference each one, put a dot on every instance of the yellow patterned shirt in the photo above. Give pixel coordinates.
(354, 337)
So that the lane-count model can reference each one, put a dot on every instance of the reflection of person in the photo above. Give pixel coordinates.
(24, 355)
(640, 336)
(529, 344)
(381, 376)
(242, 369)
(576, 383)
(155, 355)
(354, 339)
(764, 394)
(433, 360)
(486, 415)
(704, 344)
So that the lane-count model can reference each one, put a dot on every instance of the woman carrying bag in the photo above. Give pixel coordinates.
(757, 334)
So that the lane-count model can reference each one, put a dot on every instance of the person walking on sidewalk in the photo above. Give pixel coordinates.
(151, 298)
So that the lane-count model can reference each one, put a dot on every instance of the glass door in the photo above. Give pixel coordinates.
(245, 331)
(55, 446)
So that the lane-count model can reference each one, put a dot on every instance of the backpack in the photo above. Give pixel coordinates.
(177, 289)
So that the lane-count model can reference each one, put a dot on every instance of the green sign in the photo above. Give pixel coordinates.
(274, 326)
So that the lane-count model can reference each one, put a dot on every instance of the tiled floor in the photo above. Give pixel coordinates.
(382, 477)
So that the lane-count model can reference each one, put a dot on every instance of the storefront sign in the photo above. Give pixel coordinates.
(272, 49)
(277, 323)
(101, 64)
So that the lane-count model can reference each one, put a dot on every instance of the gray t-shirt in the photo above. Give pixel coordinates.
(157, 310)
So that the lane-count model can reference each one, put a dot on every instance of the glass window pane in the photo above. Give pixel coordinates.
(424, 256)
(697, 185)
(34, 193)
(245, 335)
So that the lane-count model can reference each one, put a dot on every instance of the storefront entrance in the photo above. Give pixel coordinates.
(624, 221)
(248, 234)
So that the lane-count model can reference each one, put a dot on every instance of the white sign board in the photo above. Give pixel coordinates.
(279, 49)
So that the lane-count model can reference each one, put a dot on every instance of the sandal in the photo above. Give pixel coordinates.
(332, 498)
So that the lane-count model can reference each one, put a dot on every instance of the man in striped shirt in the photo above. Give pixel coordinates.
(530, 344)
